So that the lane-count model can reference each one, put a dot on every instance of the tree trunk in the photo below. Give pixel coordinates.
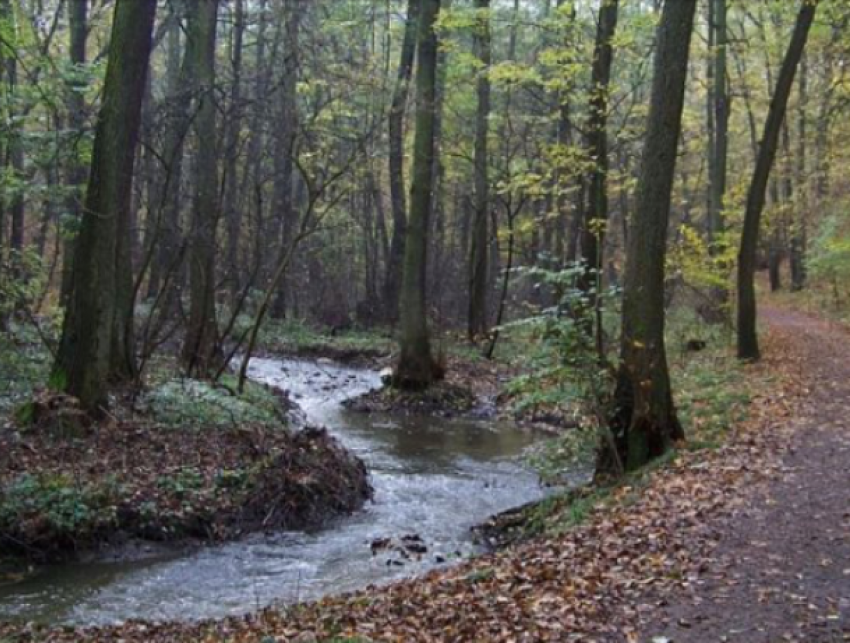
(83, 362)
(748, 346)
(169, 235)
(200, 345)
(14, 146)
(394, 267)
(283, 206)
(720, 151)
(416, 367)
(596, 214)
(14, 149)
(480, 246)
(799, 233)
(232, 211)
(645, 423)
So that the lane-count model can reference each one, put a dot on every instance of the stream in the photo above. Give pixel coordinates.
(433, 477)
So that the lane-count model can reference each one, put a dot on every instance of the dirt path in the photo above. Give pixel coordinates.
(746, 543)
(782, 570)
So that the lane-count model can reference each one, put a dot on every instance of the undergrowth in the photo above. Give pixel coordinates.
(712, 392)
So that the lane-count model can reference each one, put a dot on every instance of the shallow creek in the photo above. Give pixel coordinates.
(433, 477)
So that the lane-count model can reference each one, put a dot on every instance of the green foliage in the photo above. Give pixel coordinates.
(23, 278)
(568, 377)
(187, 402)
(829, 255)
(63, 509)
(711, 389)
(699, 265)
(24, 366)
(297, 336)
(180, 483)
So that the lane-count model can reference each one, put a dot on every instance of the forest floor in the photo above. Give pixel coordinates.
(174, 464)
(748, 541)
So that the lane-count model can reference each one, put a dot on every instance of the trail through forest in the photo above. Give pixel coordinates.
(748, 542)
(782, 570)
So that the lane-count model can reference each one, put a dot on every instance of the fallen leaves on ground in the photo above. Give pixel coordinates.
(589, 584)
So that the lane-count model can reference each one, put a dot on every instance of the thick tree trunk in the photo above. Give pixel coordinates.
(748, 346)
(645, 423)
(394, 267)
(480, 246)
(200, 346)
(416, 367)
(84, 358)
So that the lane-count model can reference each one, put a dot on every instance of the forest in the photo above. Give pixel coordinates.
(489, 320)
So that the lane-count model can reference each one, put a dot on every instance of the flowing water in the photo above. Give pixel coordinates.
(433, 477)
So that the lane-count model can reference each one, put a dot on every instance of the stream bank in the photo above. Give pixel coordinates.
(433, 479)
(591, 575)
(65, 496)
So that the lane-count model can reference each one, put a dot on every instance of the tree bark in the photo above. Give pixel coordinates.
(720, 151)
(232, 211)
(416, 367)
(644, 423)
(169, 234)
(394, 267)
(596, 214)
(83, 362)
(200, 345)
(748, 346)
(480, 246)
(14, 151)
(799, 233)
(283, 204)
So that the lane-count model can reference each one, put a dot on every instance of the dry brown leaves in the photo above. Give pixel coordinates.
(590, 584)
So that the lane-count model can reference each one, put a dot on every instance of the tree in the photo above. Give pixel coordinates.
(200, 345)
(283, 200)
(76, 173)
(15, 146)
(479, 247)
(167, 234)
(395, 260)
(596, 214)
(416, 367)
(748, 346)
(83, 363)
(720, 110)
(232, 211)
(797, 250)
(645, 423)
